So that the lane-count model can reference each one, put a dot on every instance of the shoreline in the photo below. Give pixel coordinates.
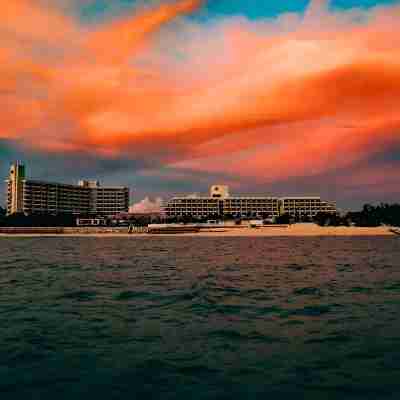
(297, 230)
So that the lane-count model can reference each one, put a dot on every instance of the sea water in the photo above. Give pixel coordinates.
(200, 318)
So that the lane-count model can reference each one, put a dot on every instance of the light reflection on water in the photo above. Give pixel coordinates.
(200, 318)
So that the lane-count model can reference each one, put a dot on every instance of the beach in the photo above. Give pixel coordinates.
(301, 230)
(267, 231)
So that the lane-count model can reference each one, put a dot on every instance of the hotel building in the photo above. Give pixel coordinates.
(221, 204)
(88, 197)
(306, 206)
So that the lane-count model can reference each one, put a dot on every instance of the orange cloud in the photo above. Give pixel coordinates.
(313, 149)
(120, 40)
(253, 99)
(25, 22)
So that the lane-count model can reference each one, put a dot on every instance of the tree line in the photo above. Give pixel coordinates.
(66, 220)
(369, 216)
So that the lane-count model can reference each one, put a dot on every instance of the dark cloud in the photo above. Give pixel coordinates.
(285, 106)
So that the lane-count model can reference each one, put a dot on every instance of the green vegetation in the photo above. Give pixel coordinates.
(387, 214)
(369, 216)
(329, 219)
(38, 220)
(65, 220)
(2, 215)
(284, 219)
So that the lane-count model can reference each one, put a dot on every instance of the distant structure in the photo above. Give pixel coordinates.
(221, 204)
(219, 192)
(15, 185)
(39, 197)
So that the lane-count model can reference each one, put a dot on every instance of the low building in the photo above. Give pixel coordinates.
(222, 205)
(40, 197)
(199, 207)
(251, 206)
(306, 206)
(91, 222)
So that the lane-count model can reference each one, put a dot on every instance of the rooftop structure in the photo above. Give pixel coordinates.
(219, 191)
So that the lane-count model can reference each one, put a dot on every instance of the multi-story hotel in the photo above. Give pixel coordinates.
(306, 206)
(88, 197)
(220, 204)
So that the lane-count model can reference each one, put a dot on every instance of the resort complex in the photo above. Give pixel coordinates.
(90, 198)
(221, 204)
(40, 207)
(39, 197)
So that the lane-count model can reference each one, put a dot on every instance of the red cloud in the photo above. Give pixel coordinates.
(288, 98)
(121, 40)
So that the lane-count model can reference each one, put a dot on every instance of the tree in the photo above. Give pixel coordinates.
(283, 219)
(39, 220)
(2, 215)
(328, 219)
(305, 218)
(323, 219)
(228, 217)
(383, 214)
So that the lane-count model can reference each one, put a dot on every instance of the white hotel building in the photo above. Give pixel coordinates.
(220, 204)
(40, 197)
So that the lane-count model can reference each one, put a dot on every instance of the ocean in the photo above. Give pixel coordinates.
(200, 318)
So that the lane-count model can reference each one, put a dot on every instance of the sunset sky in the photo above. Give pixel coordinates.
(168, 97)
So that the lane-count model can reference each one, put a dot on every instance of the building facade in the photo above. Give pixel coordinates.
(306, 206)
(54, 198)
(221, 204)
(200, 207)
(251, 207)
(39, 197)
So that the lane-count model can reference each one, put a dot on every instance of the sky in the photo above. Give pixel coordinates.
(293, 97)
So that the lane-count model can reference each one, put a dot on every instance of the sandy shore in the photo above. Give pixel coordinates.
(293, 230)
(303, 230)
